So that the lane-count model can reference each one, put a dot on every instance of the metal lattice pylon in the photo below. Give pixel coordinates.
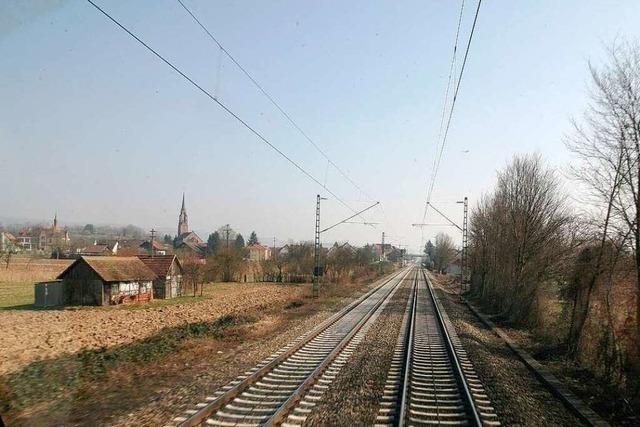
(465, 238)
(316, 252)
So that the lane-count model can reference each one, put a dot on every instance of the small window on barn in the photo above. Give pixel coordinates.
(114, 288)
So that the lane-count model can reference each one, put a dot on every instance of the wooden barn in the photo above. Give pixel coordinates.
(107, 280)
(169, 275)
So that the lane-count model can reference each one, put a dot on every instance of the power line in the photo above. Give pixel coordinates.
(223, 106)
(272, 100)
(444, 105)
(351, 217)
(453, 103)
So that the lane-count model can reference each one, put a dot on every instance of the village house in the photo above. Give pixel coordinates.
(189, 249)
(99, 249)
(95, 250)
(158, 248)
(169, 275)
(8, 242)
(43, 239)
(258, 252)
(107, 280)
(341, 246)
(386, 252)
(24, 239)
(52, 238)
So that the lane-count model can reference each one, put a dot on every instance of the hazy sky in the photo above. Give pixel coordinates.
(95, 127)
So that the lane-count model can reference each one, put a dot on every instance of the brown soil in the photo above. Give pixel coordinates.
(150, 381)
(32, 335)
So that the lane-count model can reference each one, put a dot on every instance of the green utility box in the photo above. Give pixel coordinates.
(49, 294)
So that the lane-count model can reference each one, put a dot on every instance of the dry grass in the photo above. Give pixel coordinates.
(32, 269)
(16, 282)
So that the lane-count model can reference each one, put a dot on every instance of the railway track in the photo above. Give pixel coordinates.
(283, 388)
(431, 380)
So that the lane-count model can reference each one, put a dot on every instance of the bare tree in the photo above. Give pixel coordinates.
(607, 142)
(229, 262)
(6, 256)
(192, 273)
(444, 252)
(518, 238)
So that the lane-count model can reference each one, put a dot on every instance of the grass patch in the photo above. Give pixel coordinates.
(73, 373)
(16, 294)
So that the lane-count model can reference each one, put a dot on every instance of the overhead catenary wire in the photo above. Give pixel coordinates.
(444, 105)
(453, 103)
(273, 101)
(223, 106)
(351, 217)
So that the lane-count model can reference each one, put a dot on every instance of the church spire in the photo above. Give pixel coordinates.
(183, 221)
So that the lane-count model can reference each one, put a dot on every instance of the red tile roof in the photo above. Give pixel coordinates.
(9, 236)
(160, 264)
(156, 245)
(95, 249)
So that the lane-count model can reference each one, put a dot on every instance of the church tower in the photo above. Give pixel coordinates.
(183, 222)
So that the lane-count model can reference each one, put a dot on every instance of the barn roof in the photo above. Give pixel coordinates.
(160, 264)
(115, 269)
(197, 248)
(95, 249)
(156, 245)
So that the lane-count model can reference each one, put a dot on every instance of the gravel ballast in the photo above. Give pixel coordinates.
(353, 397)
(517, 395)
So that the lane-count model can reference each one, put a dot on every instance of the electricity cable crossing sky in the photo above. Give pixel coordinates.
(273, 101)
(453, 103)
(444, 109)
(224, 107)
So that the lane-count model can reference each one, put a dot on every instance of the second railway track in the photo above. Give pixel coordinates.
(283, 388)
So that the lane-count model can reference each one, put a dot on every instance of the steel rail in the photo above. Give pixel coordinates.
(280, 415)
(409, 350)
(205, 411)
(460, 376)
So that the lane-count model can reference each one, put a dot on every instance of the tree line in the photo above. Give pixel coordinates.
(226, 260)
(567, 265)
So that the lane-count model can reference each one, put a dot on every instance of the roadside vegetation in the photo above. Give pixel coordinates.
(569, 271)
(229, 263)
